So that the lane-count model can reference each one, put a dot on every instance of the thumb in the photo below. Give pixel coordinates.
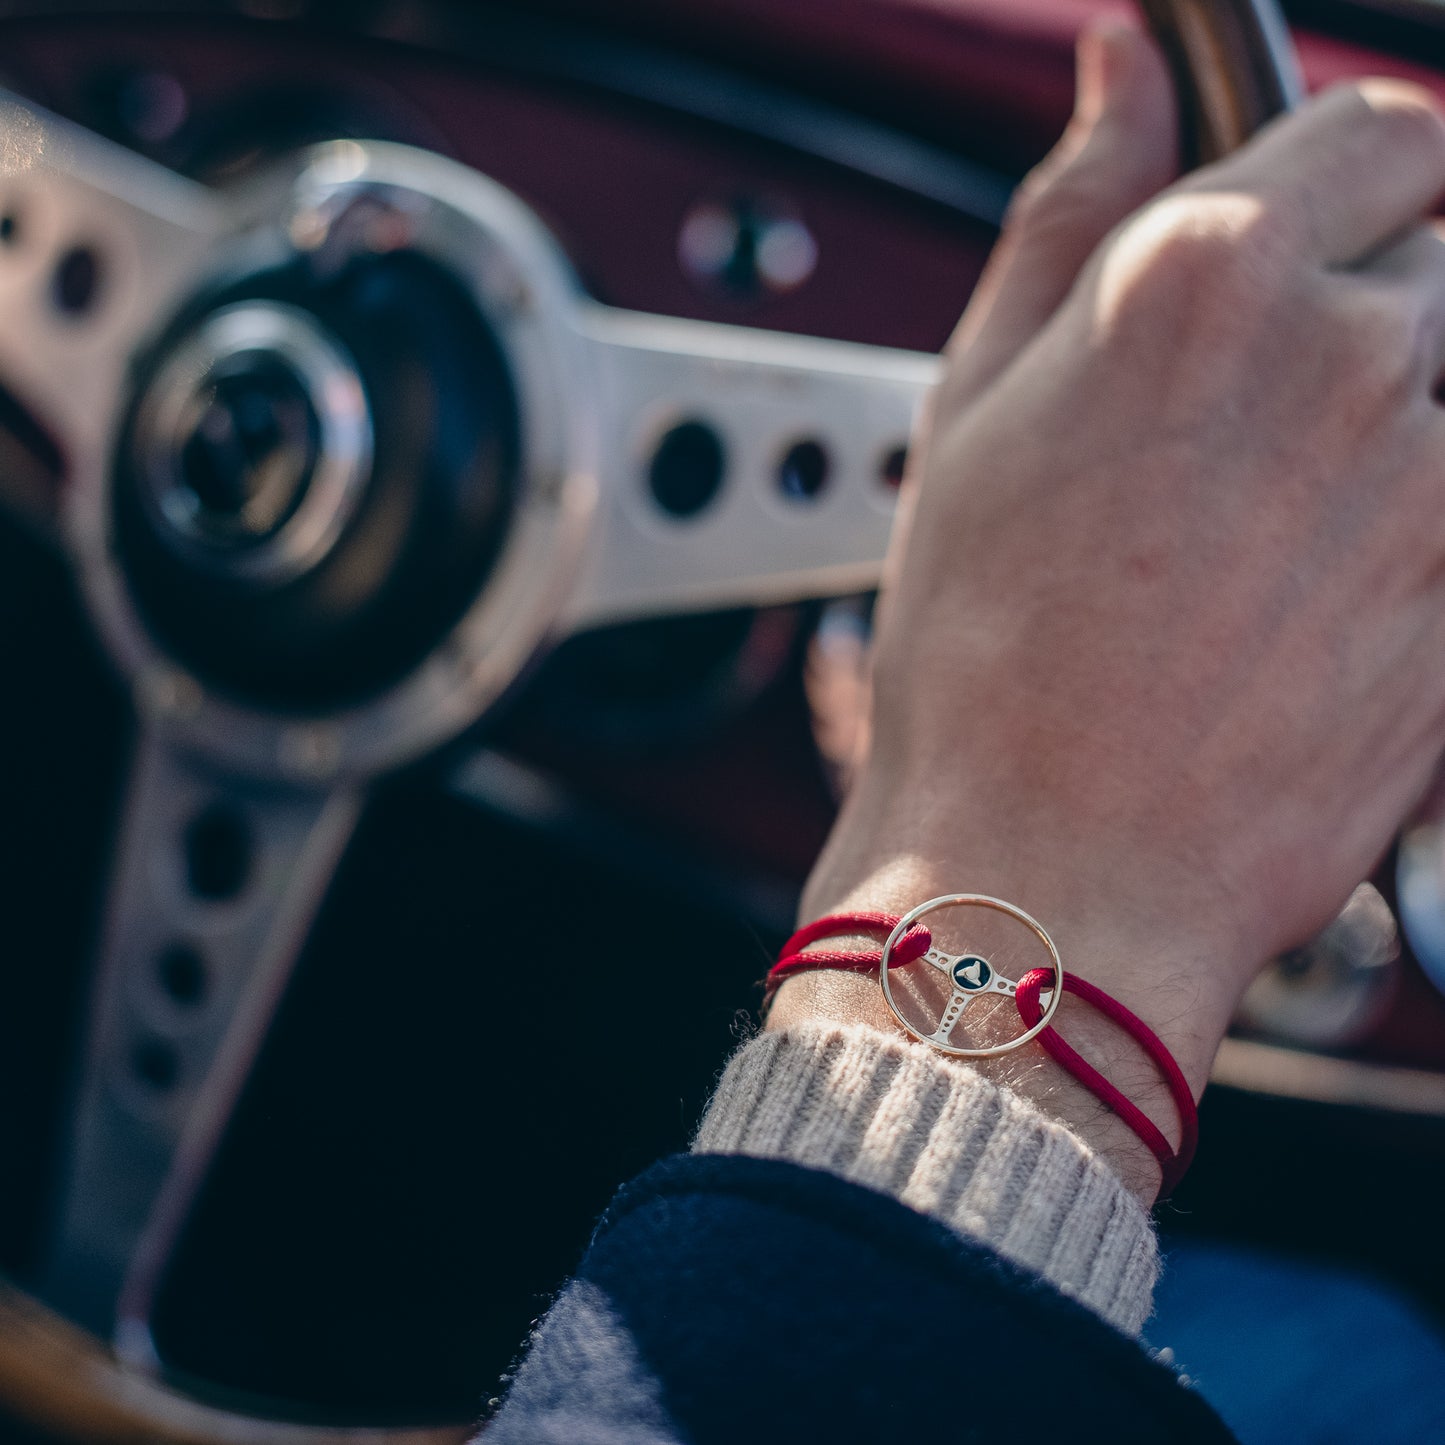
(1119, 150)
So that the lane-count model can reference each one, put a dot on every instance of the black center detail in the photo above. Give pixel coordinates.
(427, 528)
(250, 451)
(972, 973)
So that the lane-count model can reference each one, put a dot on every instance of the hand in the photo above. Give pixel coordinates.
(1163, 655)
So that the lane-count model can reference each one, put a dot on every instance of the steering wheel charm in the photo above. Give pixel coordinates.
(970, 976)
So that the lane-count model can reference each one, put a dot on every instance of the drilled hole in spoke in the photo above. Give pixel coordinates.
(803, 472)
(182, 973)
(76, 281)
(218, 853)
(894, 464)
(156, 1064)
(687, 469)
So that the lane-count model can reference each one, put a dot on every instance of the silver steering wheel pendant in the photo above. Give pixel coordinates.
(970, 976)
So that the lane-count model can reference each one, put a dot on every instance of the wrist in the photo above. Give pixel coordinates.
(1170, 978)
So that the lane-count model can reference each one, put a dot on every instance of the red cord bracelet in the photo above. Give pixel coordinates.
(792, 960)
(917, 941)
(1173, 1162)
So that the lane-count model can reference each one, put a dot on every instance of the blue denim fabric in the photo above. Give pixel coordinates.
(1289, 1351)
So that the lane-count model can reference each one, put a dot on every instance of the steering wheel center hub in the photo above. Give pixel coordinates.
(323, 479)
(971, 973)
(254, 442)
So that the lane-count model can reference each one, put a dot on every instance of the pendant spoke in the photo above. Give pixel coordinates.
(958, 1001)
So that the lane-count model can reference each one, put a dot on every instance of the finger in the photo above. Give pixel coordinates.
(1347, 171)
(1120, 149)
(1410, 275)
(1412, 259)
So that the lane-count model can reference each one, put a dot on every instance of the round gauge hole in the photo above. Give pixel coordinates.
(687, 469)
(156, 1064)
(76, 280)
(803, 472)
(182, 973)
(218, 853)
(895, 462)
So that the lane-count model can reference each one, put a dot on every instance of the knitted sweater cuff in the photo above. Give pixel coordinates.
(884, 1113)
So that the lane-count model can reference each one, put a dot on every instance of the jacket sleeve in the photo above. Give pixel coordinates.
(964, 1276)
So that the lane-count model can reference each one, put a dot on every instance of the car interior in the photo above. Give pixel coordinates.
(447, 453)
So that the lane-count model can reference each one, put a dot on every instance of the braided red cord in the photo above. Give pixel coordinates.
(917, 941)
(792, 960)
(1173, 1162)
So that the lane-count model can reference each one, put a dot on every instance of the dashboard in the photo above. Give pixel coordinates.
(412, 1166)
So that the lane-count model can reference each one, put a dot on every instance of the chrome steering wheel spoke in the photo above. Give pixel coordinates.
(98, 246)
(970, 977)
(737, 466)
(218, 873)
(943, 962)
(958, 1001)
(302, 603)
(217, 883)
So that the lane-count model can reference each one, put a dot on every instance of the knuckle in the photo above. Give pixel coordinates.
(1380, 123)
(1054, 212)
(1049, 199)
(1208, 251)
(1406, 117)
(1267, 235)
(1032, 187)
(1062, 198)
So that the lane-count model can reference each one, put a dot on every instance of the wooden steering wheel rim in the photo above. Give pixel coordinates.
(1234, 70)
(65, 1383)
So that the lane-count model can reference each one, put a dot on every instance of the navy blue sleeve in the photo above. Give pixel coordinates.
(727, 1300)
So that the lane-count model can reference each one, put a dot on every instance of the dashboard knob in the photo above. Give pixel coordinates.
(1420, 888)
(1330, 992)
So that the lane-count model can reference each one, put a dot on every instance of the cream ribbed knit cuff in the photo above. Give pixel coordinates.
(897, 1118)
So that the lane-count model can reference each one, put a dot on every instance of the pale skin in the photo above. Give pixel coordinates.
(1162, 660)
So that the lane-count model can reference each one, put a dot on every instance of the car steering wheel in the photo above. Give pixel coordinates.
(347, 445)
